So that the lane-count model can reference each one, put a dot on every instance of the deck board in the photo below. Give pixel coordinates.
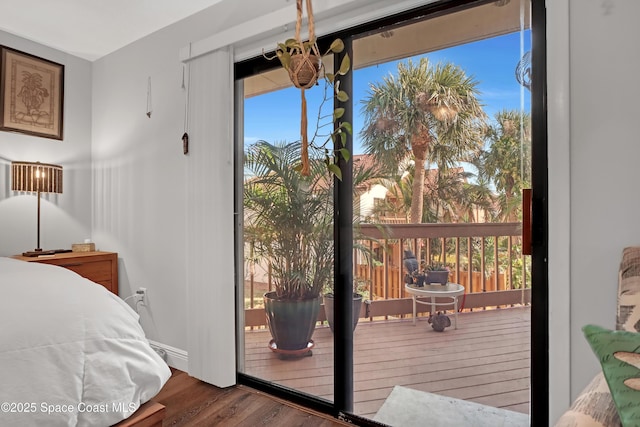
(486, 360)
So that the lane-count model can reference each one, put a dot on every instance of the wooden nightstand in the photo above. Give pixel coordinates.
(100, 267)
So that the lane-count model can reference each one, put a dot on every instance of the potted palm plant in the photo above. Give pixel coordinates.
(288, 200)
(289, 217)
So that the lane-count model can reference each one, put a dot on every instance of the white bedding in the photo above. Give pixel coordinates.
(71, 352)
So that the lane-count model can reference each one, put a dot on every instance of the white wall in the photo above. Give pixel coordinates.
(66, 217)
(368, 199)
(139, 170)
(558, 124)
(592, 65)
(605, 153)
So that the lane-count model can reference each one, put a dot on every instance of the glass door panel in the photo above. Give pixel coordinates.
(288, 241)
(442, 107)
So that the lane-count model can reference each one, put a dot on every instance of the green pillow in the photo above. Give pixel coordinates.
(619, 355)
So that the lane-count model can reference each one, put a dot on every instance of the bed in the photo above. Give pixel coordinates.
(71, 352)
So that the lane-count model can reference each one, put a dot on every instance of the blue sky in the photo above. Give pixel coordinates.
(275, 116)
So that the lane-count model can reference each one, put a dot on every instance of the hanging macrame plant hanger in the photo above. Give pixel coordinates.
(304, 71)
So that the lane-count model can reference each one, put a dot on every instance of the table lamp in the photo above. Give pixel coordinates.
(39, 178)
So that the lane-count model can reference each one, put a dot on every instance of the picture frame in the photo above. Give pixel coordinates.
(31, 94)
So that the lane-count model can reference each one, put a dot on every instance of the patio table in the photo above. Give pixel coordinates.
(450, 292)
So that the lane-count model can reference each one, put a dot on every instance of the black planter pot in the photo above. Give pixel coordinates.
(291, 323)
(329, 310)
(441, 277)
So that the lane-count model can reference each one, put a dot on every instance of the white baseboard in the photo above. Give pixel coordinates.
(175, 357)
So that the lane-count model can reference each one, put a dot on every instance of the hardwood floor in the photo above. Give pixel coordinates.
(190, 402)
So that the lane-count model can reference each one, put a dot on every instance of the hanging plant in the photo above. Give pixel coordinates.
(303, 62)
(300, 58)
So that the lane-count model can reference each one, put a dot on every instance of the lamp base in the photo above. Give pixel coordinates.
(37, 252)
(40, 252)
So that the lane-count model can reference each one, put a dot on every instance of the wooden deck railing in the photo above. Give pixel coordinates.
(462, 247)
(500, 274)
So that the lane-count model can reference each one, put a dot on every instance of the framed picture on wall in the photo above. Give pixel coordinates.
(31, 94)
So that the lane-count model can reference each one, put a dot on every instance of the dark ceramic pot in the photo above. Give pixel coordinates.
(329, 309)
(291, 322)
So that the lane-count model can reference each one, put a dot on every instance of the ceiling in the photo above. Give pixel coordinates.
(91, 29)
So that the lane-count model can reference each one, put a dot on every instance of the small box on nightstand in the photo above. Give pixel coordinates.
(83, 247)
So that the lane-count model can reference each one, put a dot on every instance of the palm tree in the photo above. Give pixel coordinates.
(422, 106)
(480, 198)
(507, 161)
(289, 216)
(450, 195)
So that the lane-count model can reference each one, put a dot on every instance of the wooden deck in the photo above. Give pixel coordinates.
(486, 360)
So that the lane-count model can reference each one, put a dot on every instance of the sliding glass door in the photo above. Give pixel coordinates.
(440, 105)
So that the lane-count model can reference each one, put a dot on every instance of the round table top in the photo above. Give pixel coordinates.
(450, 289)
